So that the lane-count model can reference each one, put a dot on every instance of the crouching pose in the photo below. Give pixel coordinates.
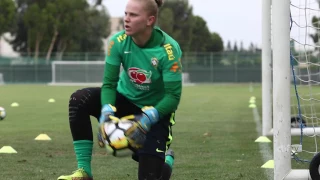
(149, 85)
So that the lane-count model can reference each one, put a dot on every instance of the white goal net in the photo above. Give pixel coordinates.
(295, 35)
(305, 68)
(305, 60)
(77, 72)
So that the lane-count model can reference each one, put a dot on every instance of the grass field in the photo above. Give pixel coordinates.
(213, 137)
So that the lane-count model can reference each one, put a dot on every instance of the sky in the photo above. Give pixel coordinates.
(233, 20)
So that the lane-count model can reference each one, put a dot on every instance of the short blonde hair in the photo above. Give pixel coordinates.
(152, 6)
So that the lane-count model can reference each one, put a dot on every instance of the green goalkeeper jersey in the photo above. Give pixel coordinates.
(151, 75)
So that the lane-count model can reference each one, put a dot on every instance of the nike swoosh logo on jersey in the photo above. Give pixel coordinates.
(127, 52)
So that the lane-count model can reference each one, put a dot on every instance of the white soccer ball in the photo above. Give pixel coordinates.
(2, 113)
(116, 142)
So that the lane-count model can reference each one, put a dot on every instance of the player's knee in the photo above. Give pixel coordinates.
(76, 98)
(78, 101)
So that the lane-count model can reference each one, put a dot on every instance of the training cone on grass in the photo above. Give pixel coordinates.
(252, 106)
(7, 150)
(51, 100)
(263, 139)
(269, 164)
(42, 137)
(252, 101)
(15, 104)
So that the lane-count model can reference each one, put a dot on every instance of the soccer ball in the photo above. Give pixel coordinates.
(114, 138)
(2, 113)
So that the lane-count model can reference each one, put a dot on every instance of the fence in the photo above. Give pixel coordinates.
(226, 67)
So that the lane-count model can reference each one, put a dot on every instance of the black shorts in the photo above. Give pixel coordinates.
(159, 137)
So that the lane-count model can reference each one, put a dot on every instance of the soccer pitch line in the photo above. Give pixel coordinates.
(265, 149)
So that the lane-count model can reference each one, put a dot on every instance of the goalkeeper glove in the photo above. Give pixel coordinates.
(101, 130)
(106, 111)
(136, 134)
(149, 117)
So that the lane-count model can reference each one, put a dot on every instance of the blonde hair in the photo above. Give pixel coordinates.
(153, 8)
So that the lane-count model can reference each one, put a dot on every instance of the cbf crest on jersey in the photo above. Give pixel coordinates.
(154, 62)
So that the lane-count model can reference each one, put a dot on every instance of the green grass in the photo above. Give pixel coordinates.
(226, 151)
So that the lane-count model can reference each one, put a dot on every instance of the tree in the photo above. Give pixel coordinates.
(93, 25)
(20, 33)
(316, 24)
(215, 43)
(98, 2)
(235, 47)
(183, 21)
(166, 19)
(59, 26)
(252, 48)
(241, 47)
(229, 46)
(7, 15)
(315, 37)
(64, 14)
(35, 20)
(97, 27)
(201, 38)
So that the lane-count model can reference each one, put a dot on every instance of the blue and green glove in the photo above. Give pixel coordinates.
(107, 112)
(136, 135)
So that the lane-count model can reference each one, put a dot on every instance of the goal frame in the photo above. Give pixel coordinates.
(185, 75)
(53, 73)
(276, 80)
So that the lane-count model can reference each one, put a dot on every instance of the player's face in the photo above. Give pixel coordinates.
(136, 19)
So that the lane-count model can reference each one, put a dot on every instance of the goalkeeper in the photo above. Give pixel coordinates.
(149, 87)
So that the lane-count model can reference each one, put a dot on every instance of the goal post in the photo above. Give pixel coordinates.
(266, 68)
(292, 91)
(77, 73)
(281, 88)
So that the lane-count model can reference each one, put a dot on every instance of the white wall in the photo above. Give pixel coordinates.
(5, 47)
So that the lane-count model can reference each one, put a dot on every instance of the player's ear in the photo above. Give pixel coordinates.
(151, 20)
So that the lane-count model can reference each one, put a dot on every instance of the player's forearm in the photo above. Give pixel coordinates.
(171, 99)
(109, 86)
